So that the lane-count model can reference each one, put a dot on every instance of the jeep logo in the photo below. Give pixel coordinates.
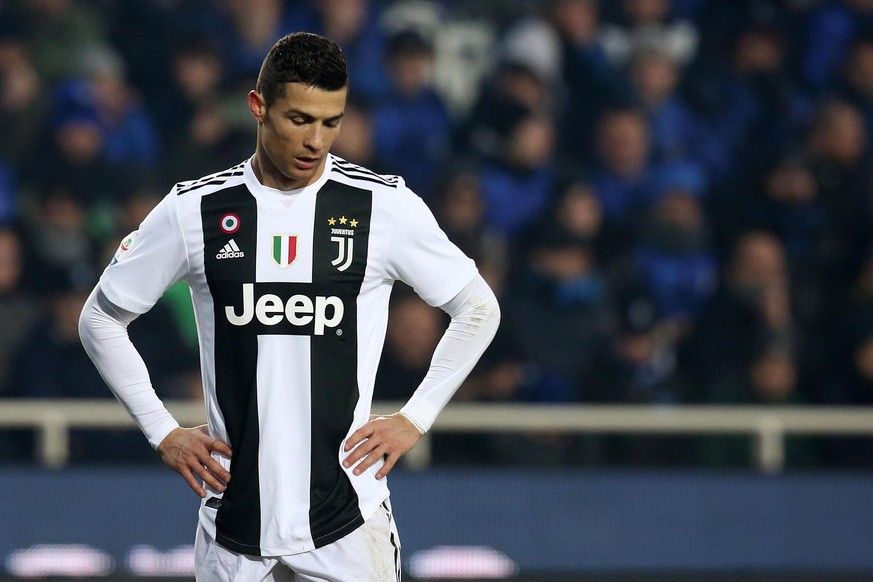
(298, 310)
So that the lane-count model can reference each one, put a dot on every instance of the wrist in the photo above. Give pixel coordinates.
(413, 422)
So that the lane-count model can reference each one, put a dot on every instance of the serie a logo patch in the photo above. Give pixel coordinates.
(127, 244)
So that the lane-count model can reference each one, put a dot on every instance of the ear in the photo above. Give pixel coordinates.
(257, 106)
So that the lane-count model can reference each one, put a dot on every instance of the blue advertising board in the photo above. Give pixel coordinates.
(465, 521)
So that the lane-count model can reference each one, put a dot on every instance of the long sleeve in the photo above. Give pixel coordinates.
(475, 317)
(103, 331)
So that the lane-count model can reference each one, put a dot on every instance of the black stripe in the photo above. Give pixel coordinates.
(364, 178)
(238, 520)
(333, 510)
(397, 566)
(356, 169)
(394, 543)
(220, 174)
(234, 171)
(200, 184)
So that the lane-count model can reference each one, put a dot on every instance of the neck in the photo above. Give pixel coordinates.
(269, 175)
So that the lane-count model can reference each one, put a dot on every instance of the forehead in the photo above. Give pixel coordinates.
(311, 100)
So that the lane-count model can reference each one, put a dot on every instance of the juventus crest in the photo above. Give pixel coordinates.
(344, 237)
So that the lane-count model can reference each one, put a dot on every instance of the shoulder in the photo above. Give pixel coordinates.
(360, 177)
(212, 182)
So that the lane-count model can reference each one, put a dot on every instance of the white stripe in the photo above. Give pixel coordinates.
(285, 522)
(233, 245)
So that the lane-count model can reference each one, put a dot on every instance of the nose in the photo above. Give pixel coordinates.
(314, 139)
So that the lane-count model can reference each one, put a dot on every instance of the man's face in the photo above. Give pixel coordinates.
(296, 133)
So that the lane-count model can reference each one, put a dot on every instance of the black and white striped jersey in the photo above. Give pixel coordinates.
(291, 294)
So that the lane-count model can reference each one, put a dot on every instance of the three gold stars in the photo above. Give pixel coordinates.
(342, 220)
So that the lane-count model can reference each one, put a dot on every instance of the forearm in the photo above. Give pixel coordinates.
(475, 317)
(103, 331)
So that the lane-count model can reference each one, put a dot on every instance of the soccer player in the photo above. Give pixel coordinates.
(290, 257)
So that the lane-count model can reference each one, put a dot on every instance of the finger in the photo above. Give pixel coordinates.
(359, 453)
(192, 481)
(215, 468)
(358, 436)
(222, 447)
(374, 456)
(210, 479)
(390, 461)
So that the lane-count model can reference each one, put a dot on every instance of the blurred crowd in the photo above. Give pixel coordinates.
(673, 199)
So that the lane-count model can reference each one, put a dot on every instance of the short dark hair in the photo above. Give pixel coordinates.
(302, 57)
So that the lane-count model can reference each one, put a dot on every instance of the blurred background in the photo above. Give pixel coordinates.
(672, 199)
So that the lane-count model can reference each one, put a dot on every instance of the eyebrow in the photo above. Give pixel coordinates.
(310, 117)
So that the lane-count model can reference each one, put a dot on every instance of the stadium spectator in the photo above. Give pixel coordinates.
(591, 82)
(829, 35)
(518, 185)
(130, 140)
(460, 210)
(357, 27)
(850, 379)
(73, 158)
(645, 24)
(252, 26)
(673, 257)
(756, 108)
(773, 376)
(531, 42)
(623, 173)
(641, 367)
(197, 75)
(786, 201)
(23, 100)
(855, 84)
(411, 122)
(750, 309)
(198, 120)
(557, 310)
(18, 309)
(357, 141)
(59, 33)
(839, 156)
(678, 134)
(512, 92)
(577, 209)
(56, 236)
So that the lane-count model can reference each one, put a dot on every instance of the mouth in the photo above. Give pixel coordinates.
(306, 162)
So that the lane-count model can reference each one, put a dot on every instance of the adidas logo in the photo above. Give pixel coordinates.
(230, 251)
